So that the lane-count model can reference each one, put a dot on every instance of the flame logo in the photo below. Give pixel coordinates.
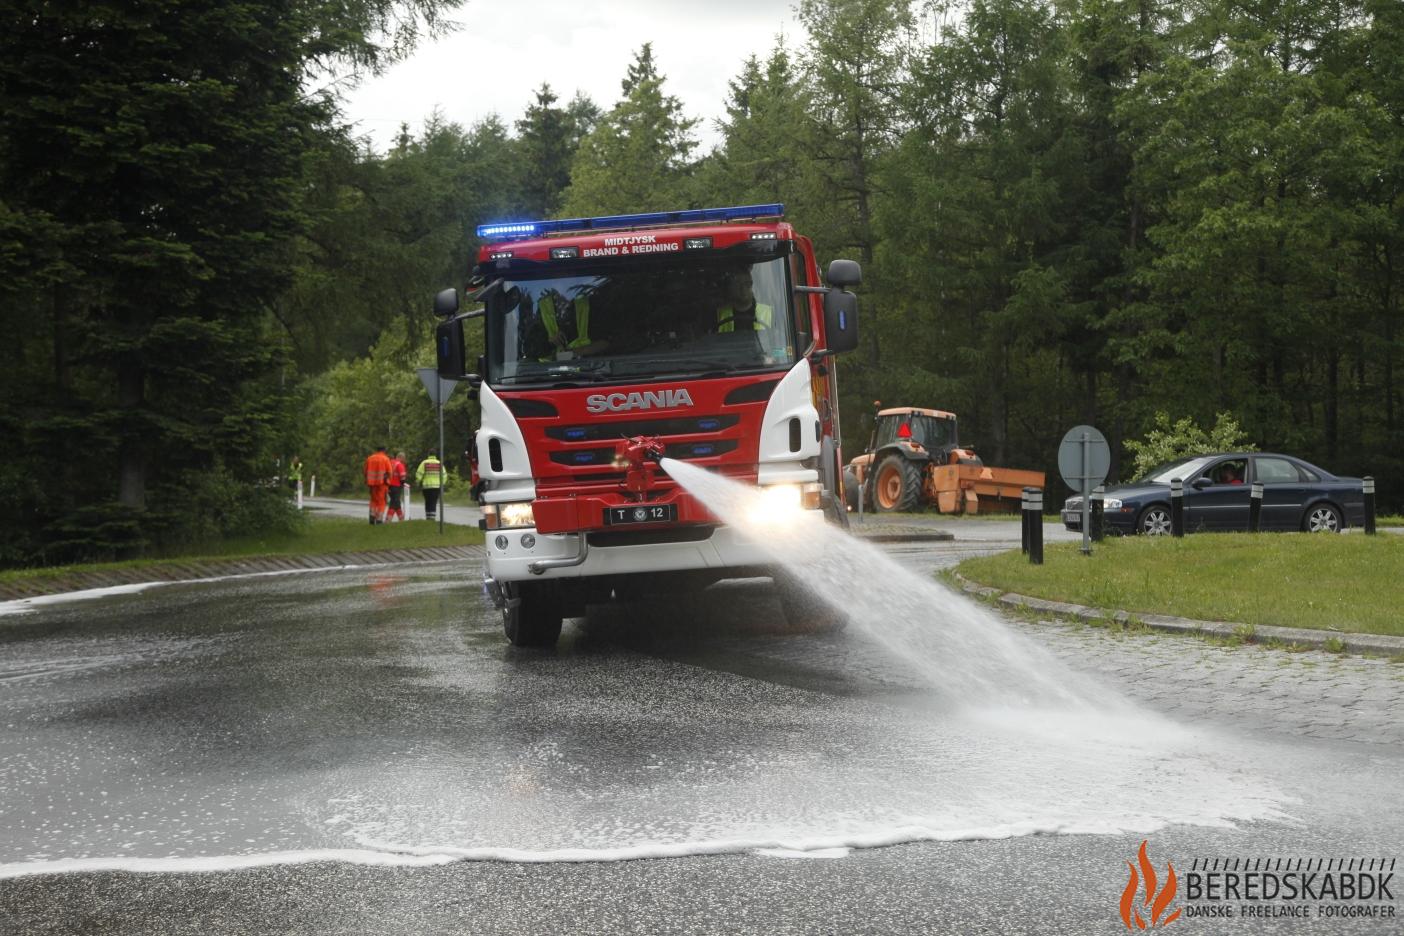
(1156, 901)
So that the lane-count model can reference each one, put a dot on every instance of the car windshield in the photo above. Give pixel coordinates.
(1184, 469)
(636, 319)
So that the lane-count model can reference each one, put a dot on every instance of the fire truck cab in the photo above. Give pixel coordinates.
(702, 335)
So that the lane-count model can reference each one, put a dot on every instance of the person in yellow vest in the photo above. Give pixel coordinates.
(429, 478)
(740, 311)
(567, 324)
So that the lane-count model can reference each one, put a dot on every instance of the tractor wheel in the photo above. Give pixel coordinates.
(897, 486)
(535, 620)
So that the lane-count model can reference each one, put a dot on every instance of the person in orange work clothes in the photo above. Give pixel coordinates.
(378, 469)
(398, 470)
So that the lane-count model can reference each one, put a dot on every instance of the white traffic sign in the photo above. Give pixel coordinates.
(1084, 458)
(440, 388)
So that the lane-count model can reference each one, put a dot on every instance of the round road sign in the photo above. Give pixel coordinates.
(1084, 457)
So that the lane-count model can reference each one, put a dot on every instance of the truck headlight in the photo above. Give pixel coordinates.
(775, 503)
(506, 516)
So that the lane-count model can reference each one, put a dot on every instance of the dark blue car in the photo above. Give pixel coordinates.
(1296, 496)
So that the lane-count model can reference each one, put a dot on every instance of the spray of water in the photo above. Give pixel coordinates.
(958, 647)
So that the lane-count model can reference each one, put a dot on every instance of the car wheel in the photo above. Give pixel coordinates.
(1322, 518)
(1154, 521)
(533, 615)
(897, 486)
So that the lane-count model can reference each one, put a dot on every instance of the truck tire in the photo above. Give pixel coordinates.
(535, 619)
(805, 610)
(852, 490)
(897, 485)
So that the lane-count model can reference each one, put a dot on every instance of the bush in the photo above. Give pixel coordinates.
(1167, 442)
(208, 506)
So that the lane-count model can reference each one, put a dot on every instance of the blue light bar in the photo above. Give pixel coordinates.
(518, 229)
(513, 229)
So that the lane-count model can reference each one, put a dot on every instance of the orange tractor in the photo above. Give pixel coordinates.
(914, 459)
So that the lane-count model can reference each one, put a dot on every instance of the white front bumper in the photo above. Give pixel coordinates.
(724, 549)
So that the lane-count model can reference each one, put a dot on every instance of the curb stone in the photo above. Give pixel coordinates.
(897, 534)
(189, 571)
(1381, 644)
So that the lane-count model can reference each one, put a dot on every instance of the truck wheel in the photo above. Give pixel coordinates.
(806, 610)
(851, 489)
(897, 485)
(535, 620)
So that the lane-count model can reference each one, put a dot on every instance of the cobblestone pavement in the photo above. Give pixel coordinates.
(1312, 694)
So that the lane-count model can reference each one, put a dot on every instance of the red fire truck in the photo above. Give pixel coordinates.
(702, 335)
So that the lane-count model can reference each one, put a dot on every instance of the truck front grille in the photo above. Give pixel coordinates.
(689, 425)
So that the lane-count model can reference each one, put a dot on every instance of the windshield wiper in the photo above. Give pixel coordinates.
(563, 373)
(711, 366)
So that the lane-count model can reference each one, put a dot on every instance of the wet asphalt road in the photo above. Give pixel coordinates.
(377, 715)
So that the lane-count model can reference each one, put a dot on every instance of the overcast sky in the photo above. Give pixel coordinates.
(504, 50)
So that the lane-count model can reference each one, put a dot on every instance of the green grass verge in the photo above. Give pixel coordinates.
(1350, 583)
(1390, 520)
(319, 535)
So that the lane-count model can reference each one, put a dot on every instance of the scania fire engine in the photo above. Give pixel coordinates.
(703, 336)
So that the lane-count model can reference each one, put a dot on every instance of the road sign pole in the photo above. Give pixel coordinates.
(439, 390)
(1086, 494)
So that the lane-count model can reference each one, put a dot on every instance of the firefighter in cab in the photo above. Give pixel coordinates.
(566, 324)
(378, 469)
(429, 478)
(740, 311)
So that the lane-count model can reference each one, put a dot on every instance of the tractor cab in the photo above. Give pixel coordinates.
(920, 431)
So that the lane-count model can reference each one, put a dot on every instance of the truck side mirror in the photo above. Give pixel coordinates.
(844, 273)
(446, 303)
(840, 320)
(448, 343)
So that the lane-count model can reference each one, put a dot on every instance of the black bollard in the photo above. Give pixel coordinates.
(1036, 526)
(1177, 507)
(1255, 508)
(1099, 494)
(1024, 522)
(1369, 488)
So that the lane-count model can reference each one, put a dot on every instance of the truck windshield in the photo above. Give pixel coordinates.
(638, 319)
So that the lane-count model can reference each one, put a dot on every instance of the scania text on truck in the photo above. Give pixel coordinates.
(703, 336)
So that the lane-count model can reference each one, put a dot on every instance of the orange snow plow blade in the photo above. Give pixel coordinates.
(974, 489)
